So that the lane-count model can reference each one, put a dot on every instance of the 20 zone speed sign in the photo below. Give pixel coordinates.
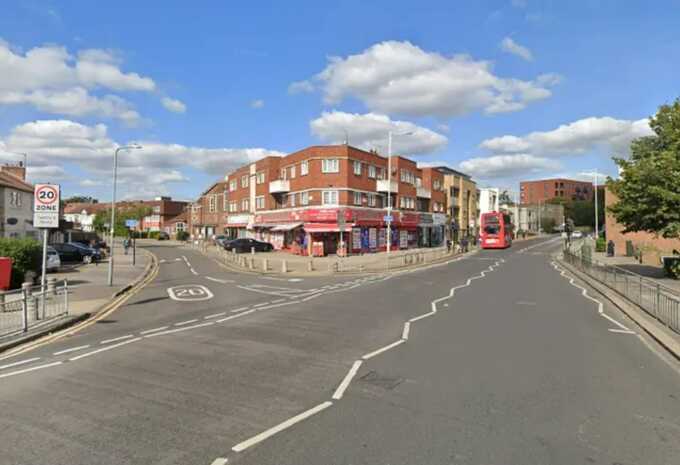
(46, 206)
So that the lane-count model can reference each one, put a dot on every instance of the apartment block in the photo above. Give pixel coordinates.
(462, 203)
(534, 192)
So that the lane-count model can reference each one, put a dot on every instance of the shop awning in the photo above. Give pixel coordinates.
(326, 227)
(286, 227)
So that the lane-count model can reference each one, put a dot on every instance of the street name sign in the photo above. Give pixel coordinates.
(46, 206)
(388, 218)
(131, 223)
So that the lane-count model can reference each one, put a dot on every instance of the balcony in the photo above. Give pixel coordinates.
(383, 185)
(423, 193)
(278, 186)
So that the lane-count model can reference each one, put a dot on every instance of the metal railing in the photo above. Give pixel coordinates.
(30, 307)
(661, 302)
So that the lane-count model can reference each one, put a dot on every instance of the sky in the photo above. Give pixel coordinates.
(503, 90)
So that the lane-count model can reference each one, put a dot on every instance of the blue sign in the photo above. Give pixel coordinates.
(388, 218)
(131, 223)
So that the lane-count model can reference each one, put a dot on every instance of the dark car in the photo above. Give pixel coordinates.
(246, 244)
(163, 236)
(94, 253)
(73, 252)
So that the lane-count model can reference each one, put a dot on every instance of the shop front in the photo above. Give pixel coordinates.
(236, 226)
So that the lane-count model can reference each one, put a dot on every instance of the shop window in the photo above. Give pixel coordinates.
(357, 168)
(330, 165)
(304, 168)
(357, 198)
(330, 197)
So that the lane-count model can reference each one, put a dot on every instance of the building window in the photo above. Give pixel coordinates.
(212, 203)
(292, 172)
(437, 184)
(259, 202)
(371, 200)
(330, 165)
(304, 168)
(357, 168)
(15, 199)
(407, 202)
(233, 206)
(407, 176)
(179, 226)
(304, 198)
(244, 180)
(371, 171)
(232, 185)
(283, 174)
(225, 205)
(330, 197)
(245, 205)
(419, 182)
(357, 198)
(259, 177)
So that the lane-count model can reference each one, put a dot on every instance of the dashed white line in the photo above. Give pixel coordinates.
(622, 331)
(154, 330)
(219, 461)
(182, 323)
(261, 304)
(26, 370)
(223, 281)
(240, 309)
(348, 379)
(72, 349)
(238, 315)
(193, 271)
(278, 300)
(420, 317)
(406, 330)
(184, 328)
(280, 427)
(87, 354)
(383, 349)
(214, 315)
(22, 362)
(115, 339)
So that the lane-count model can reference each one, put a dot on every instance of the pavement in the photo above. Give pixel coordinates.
(655, 273)
(493, 358)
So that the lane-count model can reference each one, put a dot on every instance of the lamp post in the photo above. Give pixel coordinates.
(595, 175)
(113, 204)
(390, 134)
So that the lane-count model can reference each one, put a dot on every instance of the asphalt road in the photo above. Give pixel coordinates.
(516, 367)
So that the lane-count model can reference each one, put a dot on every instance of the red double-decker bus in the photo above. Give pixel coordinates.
(496, 231)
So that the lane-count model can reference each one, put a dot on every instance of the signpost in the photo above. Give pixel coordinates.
(131, 224)
(341, 229)
(45, 216)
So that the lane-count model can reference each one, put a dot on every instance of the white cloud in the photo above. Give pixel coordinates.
(173, 105)
(51, 173)
(399, 77)
(510, 46)
(444, 128)
(370, 131)
(607, 134)
(52, 80)
(507, 166)
(259, 103)
(300, 87)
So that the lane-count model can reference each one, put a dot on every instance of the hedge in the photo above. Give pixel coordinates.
(26, 255)
(182, 235)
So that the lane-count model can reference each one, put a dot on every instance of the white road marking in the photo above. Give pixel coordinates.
(214, 315)
(185, 328)
(406, 330)
(614, 321)
(162, 261)
(115, 339)
(223, 281)
(178, 259)
(420, 317)
(219, 461)
(72, 349)
(383, 349)
(238, 315)
(26, 370)
(236, 310)
(190, 293)
(154, 330)
(280, 427)
(87, 354)
(622, 331)
(193, 271)
(182, 323)
(278, 300)
(261, 304)
(22, 362)
(337, 395)
(295, 280)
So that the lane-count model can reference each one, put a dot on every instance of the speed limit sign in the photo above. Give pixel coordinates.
(46, 206)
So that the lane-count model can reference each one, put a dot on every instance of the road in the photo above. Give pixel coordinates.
(503, 361)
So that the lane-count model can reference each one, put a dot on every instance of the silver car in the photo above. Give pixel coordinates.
(53, 260)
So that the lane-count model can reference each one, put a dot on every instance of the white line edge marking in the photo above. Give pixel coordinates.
(280, 427)
(240, 309)
(184, 328)
(340, 391)
(219, 461)
(222, 281)
(622, 331)
(383, 349)
(72, 349)
(154, 330)
(262, 304)
(420, 317)
(22, 362)
(407, 329)
(26, 370)
(193, 271)
(214, 315)
(116, 339)
(87, 354)
(238, 315)
(182, 323)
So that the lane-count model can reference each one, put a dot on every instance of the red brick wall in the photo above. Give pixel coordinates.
(539, 191)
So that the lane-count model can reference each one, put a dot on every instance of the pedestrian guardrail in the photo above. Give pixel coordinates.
(32, 306)
(661, 302)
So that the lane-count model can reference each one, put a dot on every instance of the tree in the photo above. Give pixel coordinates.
(648, 189)
(81, 199)
(123, 213)
(504, 199)
(548, 225)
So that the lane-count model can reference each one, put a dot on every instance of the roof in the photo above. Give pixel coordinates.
(181, 218)
(90, 208)
(447, 170)
(8, 180)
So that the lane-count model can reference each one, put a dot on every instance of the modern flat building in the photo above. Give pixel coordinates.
(462, 203)
(329, 199)
(534, 192)
(489, 200)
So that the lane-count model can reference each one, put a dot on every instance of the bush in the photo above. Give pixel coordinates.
(601, 245)
(671, 266)
(182, 235)
(26, 255)
(153, 234)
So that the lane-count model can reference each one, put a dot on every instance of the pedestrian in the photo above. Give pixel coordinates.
(464, 244)
(610, 248)
(126, 245)
(448, 245)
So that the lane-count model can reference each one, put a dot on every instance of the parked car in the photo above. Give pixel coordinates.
(163, 236)
(246, 244)
(220, 240)
(53, 260)
(74, 252)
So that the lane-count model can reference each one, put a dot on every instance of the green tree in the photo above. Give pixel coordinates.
(81, 199)
(504, 198)
(548, 225)
(103, 217)
(648, 189)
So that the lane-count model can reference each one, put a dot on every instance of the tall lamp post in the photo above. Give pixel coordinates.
(390, 134)
(113, 204)
(595, 175)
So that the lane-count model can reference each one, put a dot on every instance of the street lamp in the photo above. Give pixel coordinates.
(390, 134)
(595, 175)
(113, 203)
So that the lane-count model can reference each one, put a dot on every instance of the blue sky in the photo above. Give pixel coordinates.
(505, 90)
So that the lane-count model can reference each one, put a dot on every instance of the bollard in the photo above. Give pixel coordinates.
(252, 251)
(251, 263)
(27, 289)
(310, 265)
(51, 286)
(284, 267)
(265, 264)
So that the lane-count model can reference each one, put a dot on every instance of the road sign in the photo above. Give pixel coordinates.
(131, 223)
(388, 218)
(46, 206)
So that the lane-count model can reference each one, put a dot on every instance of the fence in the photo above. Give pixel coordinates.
(31, 306)
(659, 301)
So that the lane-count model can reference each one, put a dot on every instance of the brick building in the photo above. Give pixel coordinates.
(162, 210)
(302, 202)
(534, 192)
(462, 203)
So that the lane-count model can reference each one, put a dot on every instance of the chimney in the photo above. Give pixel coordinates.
(17, 170)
